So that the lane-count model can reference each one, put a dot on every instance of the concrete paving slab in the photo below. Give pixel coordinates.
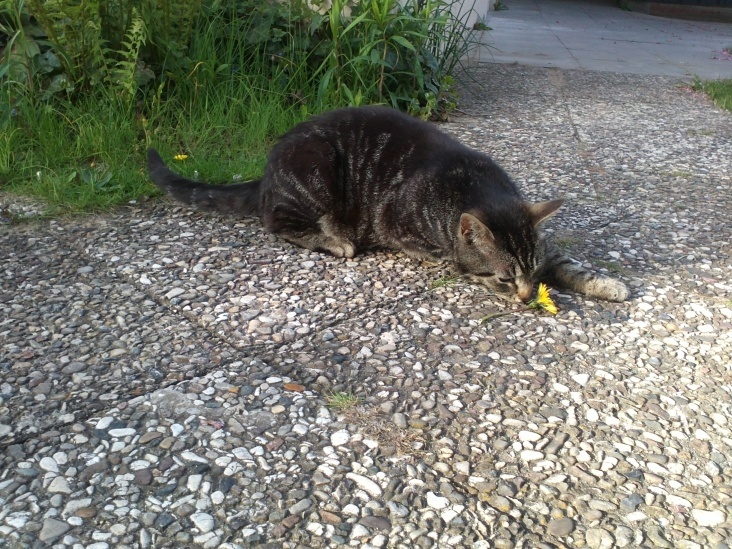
(236, 280)
(607, 425)
(597, 35)
(76, 338)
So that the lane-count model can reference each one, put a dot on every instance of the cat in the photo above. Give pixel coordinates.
(363, 178)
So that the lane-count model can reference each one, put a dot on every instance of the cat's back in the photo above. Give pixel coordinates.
(353, 125)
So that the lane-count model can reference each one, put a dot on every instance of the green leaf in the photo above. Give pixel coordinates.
(403, 42)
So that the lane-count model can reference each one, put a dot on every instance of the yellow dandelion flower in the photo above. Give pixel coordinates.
(542, 300)
(180, 157)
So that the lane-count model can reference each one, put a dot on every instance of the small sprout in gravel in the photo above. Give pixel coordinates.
(342, 401)
(443, 281)
(611, 266)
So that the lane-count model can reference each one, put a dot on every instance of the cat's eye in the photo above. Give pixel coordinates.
(506, 280)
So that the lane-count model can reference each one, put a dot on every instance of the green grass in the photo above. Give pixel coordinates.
(719, 91)
(220, 92)
(611, 266)
(444, 281)
(90, 155)
(342, 401)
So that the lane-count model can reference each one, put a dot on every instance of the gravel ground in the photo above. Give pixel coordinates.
(165, 376)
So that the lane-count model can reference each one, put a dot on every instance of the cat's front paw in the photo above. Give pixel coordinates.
(613, 290)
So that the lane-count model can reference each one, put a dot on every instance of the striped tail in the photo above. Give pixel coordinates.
(238, 198)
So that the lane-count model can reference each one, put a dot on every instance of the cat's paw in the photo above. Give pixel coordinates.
(613, 290)
(343, 249)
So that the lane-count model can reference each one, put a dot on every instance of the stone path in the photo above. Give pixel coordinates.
(165, 375)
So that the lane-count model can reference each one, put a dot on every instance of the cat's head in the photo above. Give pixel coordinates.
(507, 255)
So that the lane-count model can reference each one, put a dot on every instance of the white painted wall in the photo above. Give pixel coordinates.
(480, 9)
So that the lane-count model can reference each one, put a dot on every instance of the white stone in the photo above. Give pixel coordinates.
(359, 531)
(493, 418)
(242, 453)
(103, 423)
(190, 456)
(203, 521)
(351, 510)
(59, 485)
(528, 436)
(592, 415)
(676, 500)
(217, 497)
(139, 464)
(581, 379)
(176, 429)
(366, 484)
(175, 292)
(48, 464)
(462, 467)
(339, 438)
(437, 502)
(531, 455)
(194, 482)
(708, 518)
(560, 388)
(124, 432)
(17, 520)
(74, 505)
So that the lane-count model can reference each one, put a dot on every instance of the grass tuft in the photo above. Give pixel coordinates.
(342, 401)
(719, 91)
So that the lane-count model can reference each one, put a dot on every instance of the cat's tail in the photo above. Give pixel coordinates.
(237, 198)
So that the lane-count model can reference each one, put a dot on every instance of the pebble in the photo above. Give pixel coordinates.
(598, 538)
(339, 438)
(709, 519)
(203, 521)
(366, 484)
(437, 502)
(561, 527)
(52, 529)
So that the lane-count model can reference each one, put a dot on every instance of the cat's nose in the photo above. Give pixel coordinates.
(524, 291)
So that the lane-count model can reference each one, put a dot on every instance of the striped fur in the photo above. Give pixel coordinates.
(363, 178)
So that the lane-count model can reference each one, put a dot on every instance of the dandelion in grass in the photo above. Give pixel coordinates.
(180, 157)
(543, 301)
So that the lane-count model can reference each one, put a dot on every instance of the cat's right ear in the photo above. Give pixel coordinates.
(472, 230)
(541, 211)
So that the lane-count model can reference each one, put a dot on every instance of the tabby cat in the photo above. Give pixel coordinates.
(357, 179)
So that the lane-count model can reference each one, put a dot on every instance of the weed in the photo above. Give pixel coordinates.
(342, 401)
(719, 91)
(444, 281)
(611, 266)
(678, 173)
(566, 242)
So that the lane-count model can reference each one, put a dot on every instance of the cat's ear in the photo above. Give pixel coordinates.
(541, 211)
(473, 230)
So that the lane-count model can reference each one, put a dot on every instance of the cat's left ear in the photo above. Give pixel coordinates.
(541, 211)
